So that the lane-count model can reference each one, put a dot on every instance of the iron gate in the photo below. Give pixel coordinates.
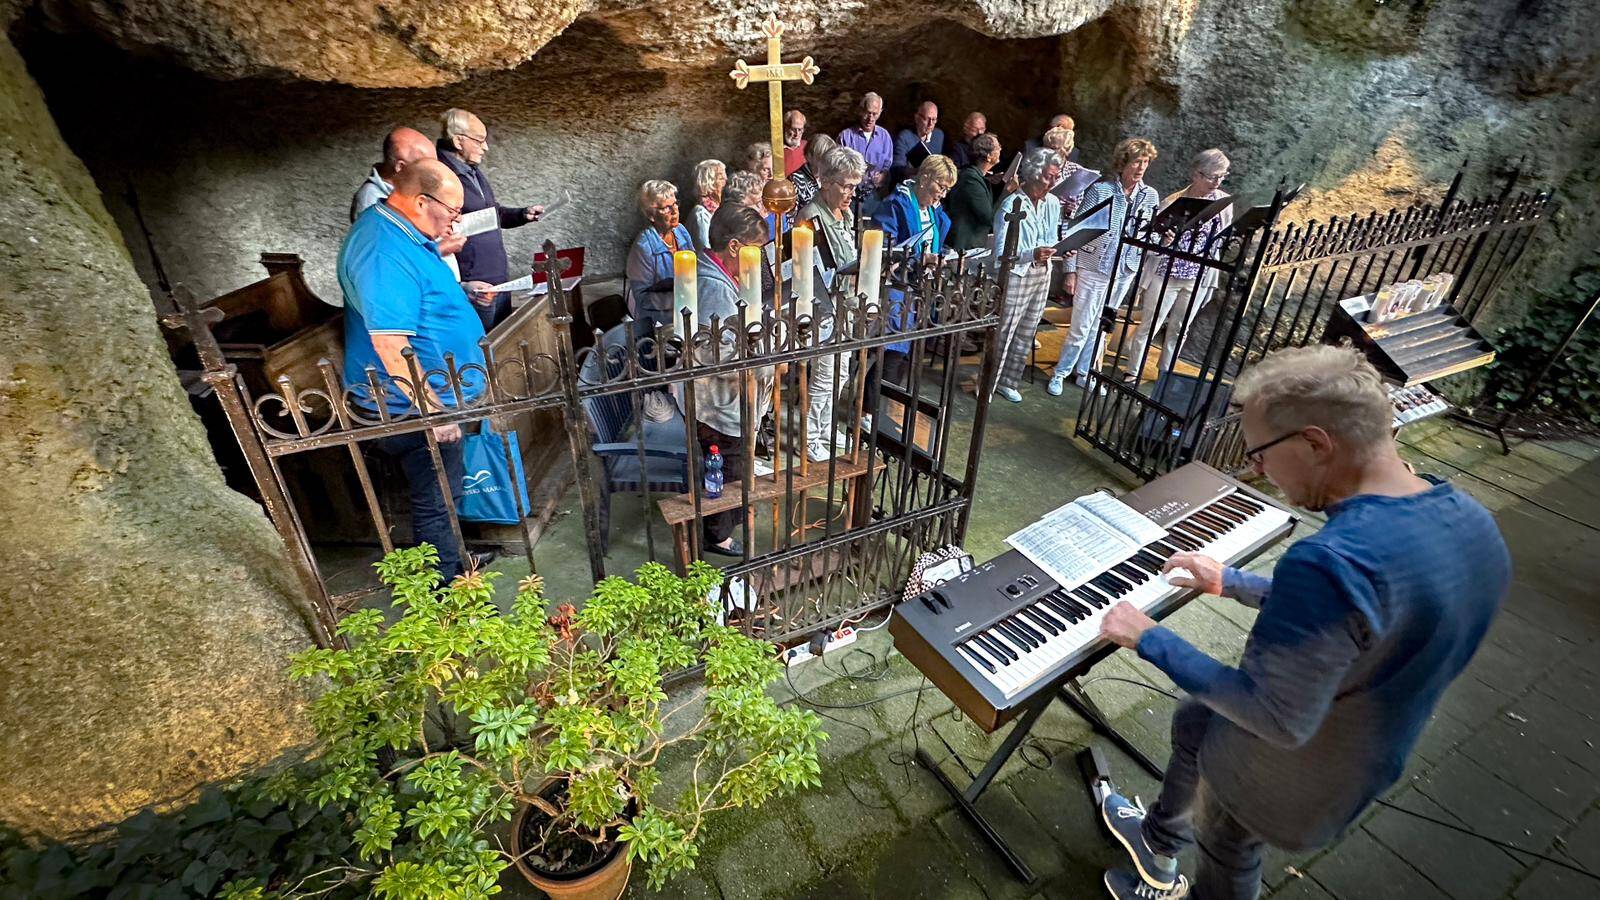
(1274, 286)
(824, 541)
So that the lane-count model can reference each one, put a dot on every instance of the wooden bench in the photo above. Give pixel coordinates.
(848, 472)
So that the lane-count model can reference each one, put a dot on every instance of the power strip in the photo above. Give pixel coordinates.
(799, 654)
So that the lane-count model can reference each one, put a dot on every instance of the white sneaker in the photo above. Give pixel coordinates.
(1058, 383)
(1011, 394)
(819, 451)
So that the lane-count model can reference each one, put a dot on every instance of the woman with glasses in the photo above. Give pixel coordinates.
(1180, 287)
(649, 270)
(914, 222)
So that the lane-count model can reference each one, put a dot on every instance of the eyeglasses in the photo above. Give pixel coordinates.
(481, 141)
(1254, 455)
(454, 211)
(1217, 178)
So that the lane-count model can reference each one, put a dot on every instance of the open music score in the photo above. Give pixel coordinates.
(1078, 541)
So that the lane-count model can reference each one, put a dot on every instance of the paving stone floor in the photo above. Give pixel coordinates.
(1513, 752)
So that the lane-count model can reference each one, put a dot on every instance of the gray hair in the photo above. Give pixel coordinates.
(788, 117)
(742, 184)
(756, 152)
(867, 98)
(456, 121)
(653, 190)
(1035, 162)
(706, 172)
(843, 162)
(984, 144)
(817, 150)
(1333, 388)
(1209, 162)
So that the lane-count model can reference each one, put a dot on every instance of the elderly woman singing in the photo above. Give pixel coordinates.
(1181, 287)
(1029, 279)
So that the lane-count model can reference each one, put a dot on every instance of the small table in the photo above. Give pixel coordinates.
(678, 509)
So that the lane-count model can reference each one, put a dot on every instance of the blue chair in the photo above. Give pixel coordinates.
(664, 467)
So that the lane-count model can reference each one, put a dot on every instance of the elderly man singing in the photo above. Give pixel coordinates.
(1363, 625)
(483, 263)
(924, 130)
(399, 296)
(1101, 282)
(402, 147)
(649, 269)
(794, 141)
(1028, 282)
(874, 145)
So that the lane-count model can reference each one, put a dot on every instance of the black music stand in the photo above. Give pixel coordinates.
(1256, 216)
(1185, 213)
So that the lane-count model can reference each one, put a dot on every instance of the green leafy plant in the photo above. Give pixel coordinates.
(245, 841)
(440, 725)
(1571, 390)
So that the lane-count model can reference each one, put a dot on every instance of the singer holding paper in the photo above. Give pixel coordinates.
(914, 224)
(482, 259)
(649, 269)
(833, 223)
(1028, 282)
(1106, 270)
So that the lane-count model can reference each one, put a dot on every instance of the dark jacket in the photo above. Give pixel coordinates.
(971, 207)
(484, 256)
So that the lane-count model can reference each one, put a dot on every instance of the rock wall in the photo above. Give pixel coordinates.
(1372, 104)
(148, 609)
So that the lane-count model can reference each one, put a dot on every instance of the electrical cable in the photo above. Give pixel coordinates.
(1500, 487)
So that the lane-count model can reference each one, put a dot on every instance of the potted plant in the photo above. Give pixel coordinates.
(446, 724)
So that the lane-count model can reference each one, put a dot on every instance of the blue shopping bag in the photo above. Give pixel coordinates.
(485, 483)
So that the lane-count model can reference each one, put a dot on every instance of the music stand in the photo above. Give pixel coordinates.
(1086, 228)
(1256, 216)
(1185, 213)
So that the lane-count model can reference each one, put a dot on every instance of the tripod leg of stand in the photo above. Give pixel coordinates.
(1074, 697)
(966, 800)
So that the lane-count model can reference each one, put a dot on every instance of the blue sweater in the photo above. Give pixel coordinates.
(1363, 625)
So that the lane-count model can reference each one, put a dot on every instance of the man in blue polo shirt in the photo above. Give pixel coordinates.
(1362, 627)
(399, 295)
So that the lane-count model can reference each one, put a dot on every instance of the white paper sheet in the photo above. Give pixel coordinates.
(525, 283)
(566, 197)
(1084, 538)
(478, 221)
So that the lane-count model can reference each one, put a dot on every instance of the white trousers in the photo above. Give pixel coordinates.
(827, 373)
(1181, 301)
(1084, 338)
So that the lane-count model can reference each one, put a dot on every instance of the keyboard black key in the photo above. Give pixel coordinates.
(1092, 596)
(1131, 573)
(997, 651)
(1018, 637)
(973, 655)
(1065, 607)
(1042, 614)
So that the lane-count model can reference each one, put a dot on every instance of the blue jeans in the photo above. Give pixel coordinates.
(430, 517)
(1187, 812)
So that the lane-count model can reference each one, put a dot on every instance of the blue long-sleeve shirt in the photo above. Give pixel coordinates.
(1362, 627)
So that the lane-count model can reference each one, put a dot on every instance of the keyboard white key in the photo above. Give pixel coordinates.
(1044, 651)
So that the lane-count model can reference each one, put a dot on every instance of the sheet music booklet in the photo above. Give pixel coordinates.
(478, 221)
(1084, 538)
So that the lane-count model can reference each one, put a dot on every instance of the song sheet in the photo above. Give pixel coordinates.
(1080, 540)
(525, 283)
(478, 221)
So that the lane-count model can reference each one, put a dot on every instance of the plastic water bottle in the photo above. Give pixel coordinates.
(713, 473)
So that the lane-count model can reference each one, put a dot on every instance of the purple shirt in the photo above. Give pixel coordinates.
(877, 148)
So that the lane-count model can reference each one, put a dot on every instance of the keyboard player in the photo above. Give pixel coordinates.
(1362, 626)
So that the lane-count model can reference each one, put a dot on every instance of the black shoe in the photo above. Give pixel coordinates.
(478, 560)
(733, 549)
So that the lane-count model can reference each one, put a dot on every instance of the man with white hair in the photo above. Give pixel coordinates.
(925, 131)
(462, 147)
(794, 141)
(1028, 282)
(1363, 625)
(649, 269)
(874, 145)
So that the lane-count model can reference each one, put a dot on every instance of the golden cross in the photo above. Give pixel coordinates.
(774, 73)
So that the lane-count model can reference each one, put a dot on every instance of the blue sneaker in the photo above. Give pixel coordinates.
(1124, 885)
(1124, 818)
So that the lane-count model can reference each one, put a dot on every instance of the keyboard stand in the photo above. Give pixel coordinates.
(1070, 693)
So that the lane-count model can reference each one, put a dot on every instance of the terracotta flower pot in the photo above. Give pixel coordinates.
(604, 883)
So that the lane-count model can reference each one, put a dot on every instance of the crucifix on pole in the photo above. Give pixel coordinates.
(778, 196)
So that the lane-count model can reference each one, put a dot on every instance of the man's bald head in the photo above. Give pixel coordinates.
(404, 146)
(429, 194)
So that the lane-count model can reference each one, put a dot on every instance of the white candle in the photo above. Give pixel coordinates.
(871, 263)
(750, 278)
(803, 248)
(685, 285)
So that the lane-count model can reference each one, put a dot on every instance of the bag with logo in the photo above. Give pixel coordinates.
(486, 483)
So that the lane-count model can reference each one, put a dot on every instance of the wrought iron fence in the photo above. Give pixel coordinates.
(1260, 287)
(824, 540)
